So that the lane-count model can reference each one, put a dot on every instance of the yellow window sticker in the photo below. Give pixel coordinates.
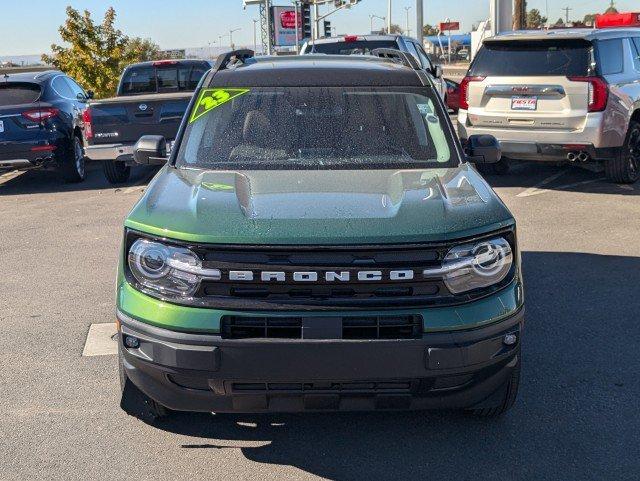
(211, 98)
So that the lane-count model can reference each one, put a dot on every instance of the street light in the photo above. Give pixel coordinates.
(406, 9)
(371, 17)
(389, 17)
(231, 36)
(255, 41)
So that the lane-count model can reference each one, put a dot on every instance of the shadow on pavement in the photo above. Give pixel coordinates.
(576, 416)
(549, 176)
(44, 182)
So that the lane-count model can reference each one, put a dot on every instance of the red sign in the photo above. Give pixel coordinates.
(288, 19)
(611, 20)
(448, 26)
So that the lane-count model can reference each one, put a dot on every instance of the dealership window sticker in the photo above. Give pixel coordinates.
(209, 99)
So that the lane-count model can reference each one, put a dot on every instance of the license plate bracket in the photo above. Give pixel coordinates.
(524, 103)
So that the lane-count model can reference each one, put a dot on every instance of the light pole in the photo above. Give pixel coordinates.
(419, 22)
(371, 17)
(389, 17)
(231, 36)
(406, 9)
(255, 41)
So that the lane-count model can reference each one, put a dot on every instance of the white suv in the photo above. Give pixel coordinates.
(558, 95)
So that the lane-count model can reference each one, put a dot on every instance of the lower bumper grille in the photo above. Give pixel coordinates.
(326, 387)
(353, 328)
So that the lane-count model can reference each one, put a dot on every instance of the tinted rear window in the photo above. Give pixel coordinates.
(169, 78)
(539, 58)
(350, 48)
(16, 93)
(611, 56)
(139, 80)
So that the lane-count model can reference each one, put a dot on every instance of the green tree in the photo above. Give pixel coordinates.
(429, 30)
(589, 19)
(94, 54)
(535, 19)
(396, 29)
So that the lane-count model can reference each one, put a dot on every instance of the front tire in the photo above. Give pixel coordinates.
(116, 172)
(509, 398)
(71, 162)
(625, 167)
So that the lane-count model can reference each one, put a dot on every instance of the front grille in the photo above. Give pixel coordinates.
(322, 293)
(352, 328)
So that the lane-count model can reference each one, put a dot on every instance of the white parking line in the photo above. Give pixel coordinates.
(100, 340)
(536, 189)
(4, 178)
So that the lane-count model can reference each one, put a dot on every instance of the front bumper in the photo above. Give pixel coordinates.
(203, 372)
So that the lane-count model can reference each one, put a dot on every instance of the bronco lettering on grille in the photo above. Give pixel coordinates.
(328, 276)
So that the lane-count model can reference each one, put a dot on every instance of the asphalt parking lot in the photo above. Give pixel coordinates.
(576, 417)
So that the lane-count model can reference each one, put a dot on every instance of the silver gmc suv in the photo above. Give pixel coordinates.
(558, 95)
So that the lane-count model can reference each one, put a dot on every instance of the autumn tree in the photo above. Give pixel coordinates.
(95, 54)
(429, 30)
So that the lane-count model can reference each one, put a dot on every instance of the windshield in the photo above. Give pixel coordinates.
(316, 128)
(537, 58)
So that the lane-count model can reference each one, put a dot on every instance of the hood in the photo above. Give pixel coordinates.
(332, 207)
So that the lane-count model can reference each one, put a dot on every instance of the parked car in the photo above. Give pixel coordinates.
(41, 123)
(365, 44)
(452, 98)
(559, 95)
(151, 99)
(319, 245)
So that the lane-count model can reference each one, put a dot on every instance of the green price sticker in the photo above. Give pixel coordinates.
(209, 99)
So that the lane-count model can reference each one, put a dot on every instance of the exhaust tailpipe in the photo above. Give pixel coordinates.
(572, 156)
(583, 156)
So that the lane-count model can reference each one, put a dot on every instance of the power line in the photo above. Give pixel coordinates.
(566, 12)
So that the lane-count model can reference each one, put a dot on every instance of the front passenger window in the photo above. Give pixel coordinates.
(635, 49)
(412, 50)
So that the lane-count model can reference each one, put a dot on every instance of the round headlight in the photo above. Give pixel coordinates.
(165, 269)
(474, 266)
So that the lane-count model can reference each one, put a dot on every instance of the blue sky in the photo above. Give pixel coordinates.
(30, 26)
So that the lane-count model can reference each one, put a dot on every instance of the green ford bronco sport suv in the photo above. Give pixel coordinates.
(318, 240)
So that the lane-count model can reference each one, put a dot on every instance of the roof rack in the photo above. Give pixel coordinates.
(224, 60)
(396, 56)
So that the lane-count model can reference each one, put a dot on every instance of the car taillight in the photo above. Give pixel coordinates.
(350, 38)
(86, 120)
(598, 92)
(464, 90)
(38, 115)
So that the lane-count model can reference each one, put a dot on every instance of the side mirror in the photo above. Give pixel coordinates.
(437, 71)
(483, 149)
(150, 150)
(90, 94)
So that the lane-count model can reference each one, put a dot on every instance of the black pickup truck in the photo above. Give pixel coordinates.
(151, 100)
